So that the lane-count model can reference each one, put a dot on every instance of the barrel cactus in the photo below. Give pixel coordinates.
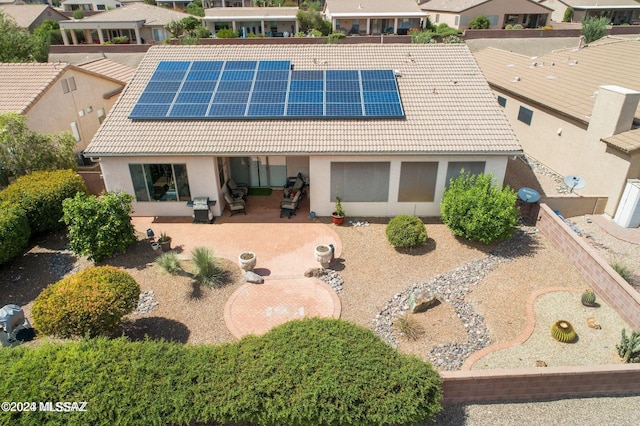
(588, 298)
(563, 331)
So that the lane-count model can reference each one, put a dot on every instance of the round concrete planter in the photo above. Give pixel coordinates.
(247, 260)
(323, 254)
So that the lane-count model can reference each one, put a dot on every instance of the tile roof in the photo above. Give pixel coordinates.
(26, 14)
(602, 4)
(152, 15)
(248, 12)
(628, 142)
(451, 5)
(110, 69)
(21, 84)
(565, 80)
(366, 7)
(448, 104)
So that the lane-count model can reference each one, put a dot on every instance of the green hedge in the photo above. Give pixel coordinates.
(14, 231)
(40, 194)
(406, 231)
(91, 302)
(308, 372)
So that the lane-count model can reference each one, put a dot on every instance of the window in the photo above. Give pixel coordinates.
(455, 167)
(525, 115)
(417, 181)
(101, 115)
(360, 182)
(493, 20)
(160, 182)
(68, 84)
(74, 130)
(457, 20)
(502, 101)
(437, 18)
(101, 7)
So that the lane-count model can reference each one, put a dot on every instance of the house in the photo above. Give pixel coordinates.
(139, 22)
(383, 126)
(56, 97)
(575, 110)
(618, 11)
(31, 16)
(362, 17)
(268, 21)
(459, 13)
(90, 5)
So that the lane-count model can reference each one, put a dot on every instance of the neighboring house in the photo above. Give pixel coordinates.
(140, 22)
(56, 96)
(574, 110)
(90, 5)
(31, 16)
(459, 13)
(362, 17)
(383, 126)
(618, 11)
(268, 21)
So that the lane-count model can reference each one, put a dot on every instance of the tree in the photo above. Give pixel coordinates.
(479, 23)
(474, 208)
(17, 44)
(99, 227)
(23, 151)
(78, 14)
(190, 24)
(568, 15)
(594, 28)
(175, 28)
(195, 8)
(313, 20)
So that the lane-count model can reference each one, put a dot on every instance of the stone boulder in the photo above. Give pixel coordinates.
(421, 300)
(252, 277)
(315, 272)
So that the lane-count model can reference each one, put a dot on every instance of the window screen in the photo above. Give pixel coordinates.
(502, 101)
(525, 115)
(455, 167)
(417, 181)
(160, 182)
(360, 182)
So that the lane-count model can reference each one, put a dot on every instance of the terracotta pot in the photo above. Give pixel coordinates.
(165, 245)
(337, 219)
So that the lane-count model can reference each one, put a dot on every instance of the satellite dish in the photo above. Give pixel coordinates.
(574, 182)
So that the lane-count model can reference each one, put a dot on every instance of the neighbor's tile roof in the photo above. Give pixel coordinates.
(448, 104)
(451, 5)
(365, 7)
(249, 12)
(628, 142)
(26, 14)
(602, 4)
(110, 69)
(21, 84)
(152, 15)
(566, 80)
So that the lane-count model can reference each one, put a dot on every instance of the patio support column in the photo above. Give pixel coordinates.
(74, 37)
(334, 24)
(234, 27)
(138, 38)
(395, 26)
(368, 26)
(65, 39)
(100, 36)
(262, 27)
(87, 36)
(297, 27)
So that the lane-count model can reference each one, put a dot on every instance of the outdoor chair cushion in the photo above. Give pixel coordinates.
(237, 190)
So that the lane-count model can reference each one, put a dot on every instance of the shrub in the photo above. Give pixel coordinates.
(408, 326)
(169, 262)
(203, 32)
(406, 231)
(207, 268)
(313, 371)
(78, 14)
(629, 347)
(622, 270)
(452, 39)
(226, 33)
(472, 207)
(508, 27)
(40, 194)
(335, 37)
(479, 23)
(568, 15)
(91, 302)
(99, 227)
(517, 27)
(423, 37)
(444, 30)
(14, 231)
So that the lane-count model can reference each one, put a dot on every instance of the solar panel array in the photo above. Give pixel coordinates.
(265, 90)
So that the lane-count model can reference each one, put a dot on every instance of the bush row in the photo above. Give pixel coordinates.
(33, 203)
(312, 371)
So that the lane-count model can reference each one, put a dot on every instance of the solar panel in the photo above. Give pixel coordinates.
(265, 90)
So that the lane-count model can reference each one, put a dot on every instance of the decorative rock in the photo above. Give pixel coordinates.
(146, 302)
(314, 272)
(420, 301)
(252, 277)
(333, 279)
(539, 363)
(592, 322)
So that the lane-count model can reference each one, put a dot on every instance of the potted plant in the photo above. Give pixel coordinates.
(247, 260)
(323, 254)
(164, 241)
(338, 215)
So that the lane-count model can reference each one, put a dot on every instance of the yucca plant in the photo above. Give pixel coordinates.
(207, 268)
(622, 270)
(169, 263)
(408, 326)
(629, 347)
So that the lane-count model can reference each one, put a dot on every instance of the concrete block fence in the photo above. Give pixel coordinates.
(544, 383)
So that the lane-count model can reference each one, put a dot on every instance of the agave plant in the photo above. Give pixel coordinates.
(207, 268)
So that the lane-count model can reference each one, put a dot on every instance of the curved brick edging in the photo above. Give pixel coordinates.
(526, 333)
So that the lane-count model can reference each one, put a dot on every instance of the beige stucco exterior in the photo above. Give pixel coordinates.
(568, 148)
(498, 12)
(55, 111)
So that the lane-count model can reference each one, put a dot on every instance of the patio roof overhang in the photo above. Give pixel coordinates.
(103, 25)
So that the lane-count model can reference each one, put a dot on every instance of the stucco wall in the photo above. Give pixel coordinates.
(444, 18)
(320, 189)
(55, 110)
(502, 8)
(571, 152)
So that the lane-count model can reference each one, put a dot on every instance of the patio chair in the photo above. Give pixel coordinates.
(236, 205)
(293, 184)
(237, 190)
(289, 205)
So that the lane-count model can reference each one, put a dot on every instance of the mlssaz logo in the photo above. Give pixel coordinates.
(63, 407)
